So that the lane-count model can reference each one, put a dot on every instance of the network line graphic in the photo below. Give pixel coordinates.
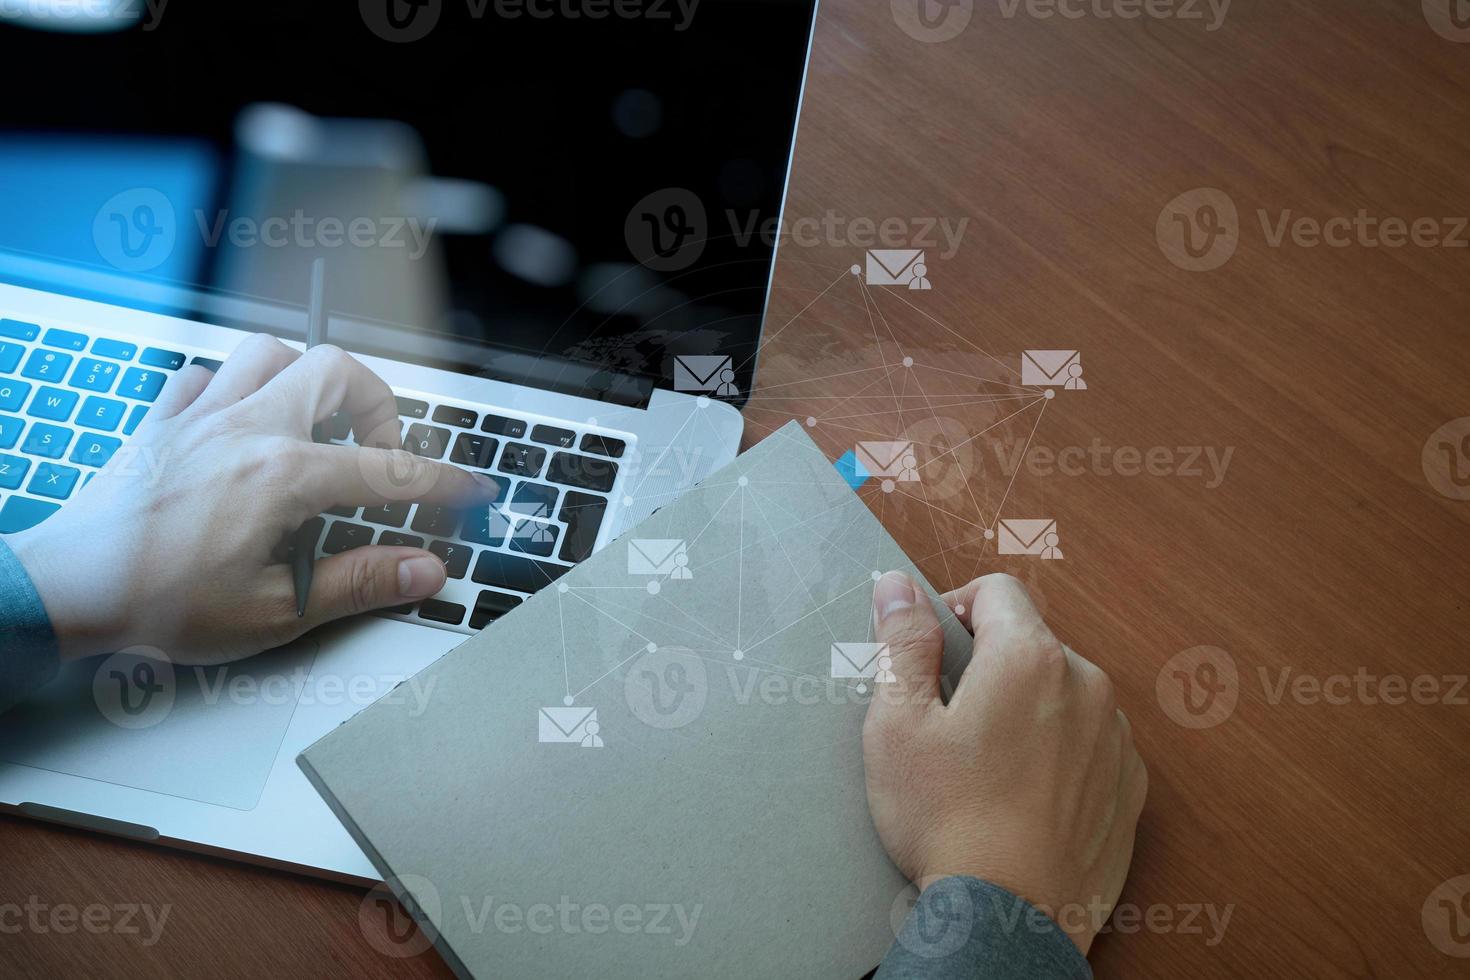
(790, 555)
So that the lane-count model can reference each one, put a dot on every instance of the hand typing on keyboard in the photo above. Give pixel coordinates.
(179, 542)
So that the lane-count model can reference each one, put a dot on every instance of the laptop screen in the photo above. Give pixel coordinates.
(584, 182)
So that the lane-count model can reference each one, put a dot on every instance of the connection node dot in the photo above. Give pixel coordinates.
(652, 648)
(563, 587)
(960, 609)
(877, 575)
(744, 481)
(1050, 393)
(653, 587)
(568, 700)
(702, 401)
(811, 421)
(908, 362)
(739, 654)
(857, 270)
(627, 501)
(889, 486)
(989, 534)
(862, 689)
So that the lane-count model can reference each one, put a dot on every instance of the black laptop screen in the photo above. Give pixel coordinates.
(584, 179)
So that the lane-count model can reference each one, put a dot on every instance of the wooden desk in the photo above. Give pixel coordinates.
(1323, 550)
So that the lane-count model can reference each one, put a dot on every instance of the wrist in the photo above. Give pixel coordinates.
(82, 618)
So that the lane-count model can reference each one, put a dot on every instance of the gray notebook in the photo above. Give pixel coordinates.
(652, 768)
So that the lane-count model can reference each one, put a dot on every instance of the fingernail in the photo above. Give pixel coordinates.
(419, 578)
(893, 593)
(489, 485)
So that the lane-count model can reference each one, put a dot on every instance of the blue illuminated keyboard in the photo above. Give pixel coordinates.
(69, 400)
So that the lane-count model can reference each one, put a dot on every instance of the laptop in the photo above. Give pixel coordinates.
(533, 231)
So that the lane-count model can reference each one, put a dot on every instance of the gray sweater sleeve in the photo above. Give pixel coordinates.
(966, 929)
(28, 654)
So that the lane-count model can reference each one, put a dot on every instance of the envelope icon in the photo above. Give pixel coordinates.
(893, 266)
(1024, 537)
(705, 372)
(856, 659)
(895, 460)
(559, 725)
(1047, 367)
(656, 556)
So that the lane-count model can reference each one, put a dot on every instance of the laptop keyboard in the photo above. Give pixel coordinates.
(69, 400)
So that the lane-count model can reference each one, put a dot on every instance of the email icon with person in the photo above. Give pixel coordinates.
(712, 374)
(906, 267)
(1052, 368)
(659, 556)
(1033, 538)
(568, 725)
(857, 659)
(889, 460)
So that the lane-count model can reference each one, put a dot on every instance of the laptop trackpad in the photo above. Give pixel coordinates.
(209, 734)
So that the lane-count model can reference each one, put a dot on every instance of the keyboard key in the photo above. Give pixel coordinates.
(412, 408)
(452, 415)
(438, 611)
(552, 436)
(47, 441)
(426, 440)
(13, 394)
(517, 574)
(46, 365)
(490, 606)
(344, 537)
(520, 459)
(10, 357)
(346, 511)
(583, 515)
(456, 557)
(388, 515)
(17, 330)
(103, 347)
(134, 417)
(583, 472)
(207, 362)
(534, 500)
(603, 445)
(13, 470)
(534, 538)
(101, 413)
(52, 480)
(22, 513)
(53, 404)
(93, 375)
(486, 526)
(170, 360)
(140, 384)
(10, 427)
(499, 426)
(65, 339)
(394, 539)
(438, 522)
(95, 450)
(476, 451)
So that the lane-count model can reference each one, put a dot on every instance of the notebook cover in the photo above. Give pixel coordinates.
(715, 822)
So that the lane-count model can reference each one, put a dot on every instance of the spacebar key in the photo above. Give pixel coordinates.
(517, 574)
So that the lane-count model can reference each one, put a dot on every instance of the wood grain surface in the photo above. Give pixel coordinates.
(1319, 563)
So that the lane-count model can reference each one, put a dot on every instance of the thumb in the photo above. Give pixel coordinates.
(903, 618)
(365, 579)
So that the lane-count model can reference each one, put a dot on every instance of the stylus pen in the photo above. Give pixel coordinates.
(303, 545)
